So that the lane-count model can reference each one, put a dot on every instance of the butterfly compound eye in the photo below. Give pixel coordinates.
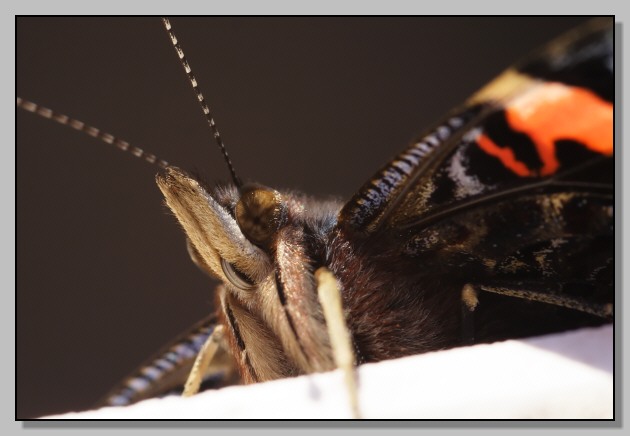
(259, 213)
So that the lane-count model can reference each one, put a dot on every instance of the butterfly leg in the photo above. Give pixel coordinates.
(601, 310)
(341, 343)
(470, 301)
(202, 362)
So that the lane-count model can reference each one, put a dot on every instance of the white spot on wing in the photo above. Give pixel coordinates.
(455, 122)
(443, 132)
(465, 184)
(431, 139)
(403, 166)
(472, 135)
(411, 158)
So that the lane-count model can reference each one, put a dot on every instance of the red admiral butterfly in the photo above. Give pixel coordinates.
(496, 223)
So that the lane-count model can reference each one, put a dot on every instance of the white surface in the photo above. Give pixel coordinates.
(566, 376)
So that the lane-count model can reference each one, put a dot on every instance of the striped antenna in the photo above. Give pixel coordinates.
(107, 138)
(201, 99)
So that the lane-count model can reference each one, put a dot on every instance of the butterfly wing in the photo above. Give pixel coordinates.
(541, 121)
(167, 371)
(513, 191)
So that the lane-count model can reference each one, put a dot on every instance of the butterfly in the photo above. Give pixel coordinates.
(392, 227)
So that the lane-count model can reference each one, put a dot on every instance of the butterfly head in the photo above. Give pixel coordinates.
(264, 246)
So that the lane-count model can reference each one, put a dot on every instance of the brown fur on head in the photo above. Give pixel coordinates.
(270, 309)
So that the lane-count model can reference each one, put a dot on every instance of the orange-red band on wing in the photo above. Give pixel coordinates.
(505, 155)
(550, 112)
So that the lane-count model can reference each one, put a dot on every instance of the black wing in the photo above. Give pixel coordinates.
(512, 192)
(166, 372)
